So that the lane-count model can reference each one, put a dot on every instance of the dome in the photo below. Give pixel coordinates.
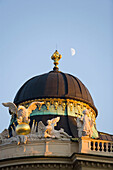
(62, 95)
(54, 84)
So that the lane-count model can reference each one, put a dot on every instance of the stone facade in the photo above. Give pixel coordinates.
(54, 154)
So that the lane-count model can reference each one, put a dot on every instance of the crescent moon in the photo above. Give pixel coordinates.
(72, 51)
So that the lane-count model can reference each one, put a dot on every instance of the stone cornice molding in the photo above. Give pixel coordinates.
(92, 164)
(54, 163)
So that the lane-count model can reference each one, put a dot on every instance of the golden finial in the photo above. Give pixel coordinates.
(56, 57)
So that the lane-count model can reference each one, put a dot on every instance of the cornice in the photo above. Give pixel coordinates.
(92, 164)
(63, 165)
(96, 159)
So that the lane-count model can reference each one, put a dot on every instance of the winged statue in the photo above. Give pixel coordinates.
(21, 112)
(49, 131)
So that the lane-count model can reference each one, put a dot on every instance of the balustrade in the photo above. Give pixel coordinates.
(102, 146)
(95, 146)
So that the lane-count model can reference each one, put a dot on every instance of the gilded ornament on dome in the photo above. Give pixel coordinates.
(56, 57)
(23, 129)
(71, 106)
(75, 104)
(23, 116)
(63, 106)
(47, 105)
(56, 105)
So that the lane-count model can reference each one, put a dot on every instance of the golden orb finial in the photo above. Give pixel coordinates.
(56, 57)
(23, 129)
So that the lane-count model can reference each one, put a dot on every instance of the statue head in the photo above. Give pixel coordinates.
(85, 112)
(49, 122)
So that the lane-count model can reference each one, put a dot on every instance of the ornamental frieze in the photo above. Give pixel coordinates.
(75, 108)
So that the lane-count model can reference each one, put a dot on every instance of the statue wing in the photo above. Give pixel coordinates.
(12, 107)
(55, 120)
(33, 106)
(41, 128)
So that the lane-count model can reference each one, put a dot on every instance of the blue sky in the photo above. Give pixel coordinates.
(29, 33)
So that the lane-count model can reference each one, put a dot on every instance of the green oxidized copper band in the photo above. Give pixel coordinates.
(57, 106)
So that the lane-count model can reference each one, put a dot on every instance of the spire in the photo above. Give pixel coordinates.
(56, 57)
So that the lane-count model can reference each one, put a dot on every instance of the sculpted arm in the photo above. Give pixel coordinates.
(55, 120)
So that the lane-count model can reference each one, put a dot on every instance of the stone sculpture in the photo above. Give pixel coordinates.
(43, 132)
(86, 126)
(21, 112)
(49, 131)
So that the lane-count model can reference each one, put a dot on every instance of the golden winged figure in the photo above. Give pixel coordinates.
(21, 112)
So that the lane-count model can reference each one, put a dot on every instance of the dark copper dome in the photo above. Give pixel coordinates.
(63, 95)
(54, 84)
